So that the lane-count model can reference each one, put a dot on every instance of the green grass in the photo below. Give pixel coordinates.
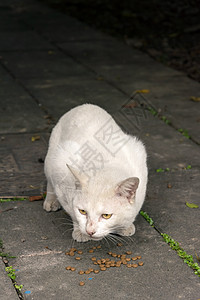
(2, 200)
(184, 132)
(11, 274)
(161, 170)
(174, 245)
(3, 254)
(147, 218)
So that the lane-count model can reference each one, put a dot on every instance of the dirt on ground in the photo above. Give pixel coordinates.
(169, 31)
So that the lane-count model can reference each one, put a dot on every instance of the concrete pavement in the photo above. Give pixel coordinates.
(49, 63)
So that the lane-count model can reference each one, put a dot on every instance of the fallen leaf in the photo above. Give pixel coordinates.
(35, 138)
(142, 91)
(35, 198)
(100, 78)
(191, 205)
(195, 99)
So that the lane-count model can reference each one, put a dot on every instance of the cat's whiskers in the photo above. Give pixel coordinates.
(106, 238)
(68, 221)
(64, 224)
(64, 218)
(122, 239)
(112, 238)
(67, 230)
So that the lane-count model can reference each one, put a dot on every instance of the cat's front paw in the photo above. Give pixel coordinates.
(51, 204)
(128, 231)
(79, 236)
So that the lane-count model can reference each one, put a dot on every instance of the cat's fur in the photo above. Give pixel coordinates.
(116, 185)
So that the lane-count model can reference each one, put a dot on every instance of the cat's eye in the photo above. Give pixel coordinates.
(106, 216)
(82, 211)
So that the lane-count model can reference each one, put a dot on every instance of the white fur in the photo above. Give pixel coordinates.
(106, 190)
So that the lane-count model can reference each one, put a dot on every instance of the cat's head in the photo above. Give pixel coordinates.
(103, 207)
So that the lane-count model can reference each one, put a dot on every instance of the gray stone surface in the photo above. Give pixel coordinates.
(131, 70)
(40, 64)
(72, 91)
(22, 40)
(167, 206)
(21, 167)
(49, 63)
(41, 260)
(13, 118)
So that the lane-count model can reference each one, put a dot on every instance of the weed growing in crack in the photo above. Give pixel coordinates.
(174, 245)
(147, 218)
(160, 170)
(184, 132)
(188, 259)
(11, 274)
(2, 200)
(7, 255)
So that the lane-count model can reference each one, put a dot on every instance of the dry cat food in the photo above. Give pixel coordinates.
(104, 263)
(78, 258)
(81, 272)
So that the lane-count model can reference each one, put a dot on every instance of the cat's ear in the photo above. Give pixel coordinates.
(127, 188)
(81, 178)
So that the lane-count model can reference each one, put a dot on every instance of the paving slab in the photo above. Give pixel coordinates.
(131, 70)
(23, 40)
(46, 64)
(41, 260)
(9, 22)
(116, 60)
(19, 113)
(70, 29)
(21, 164)
(166, 148)
(168, 193)
(59, 95)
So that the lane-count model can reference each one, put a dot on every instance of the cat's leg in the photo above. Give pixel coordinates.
(51, 203)
(130, 230)
(78, 235)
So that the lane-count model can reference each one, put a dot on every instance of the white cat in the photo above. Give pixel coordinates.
(96, 172)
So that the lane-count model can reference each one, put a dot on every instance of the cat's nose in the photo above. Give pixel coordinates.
(91, 233)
